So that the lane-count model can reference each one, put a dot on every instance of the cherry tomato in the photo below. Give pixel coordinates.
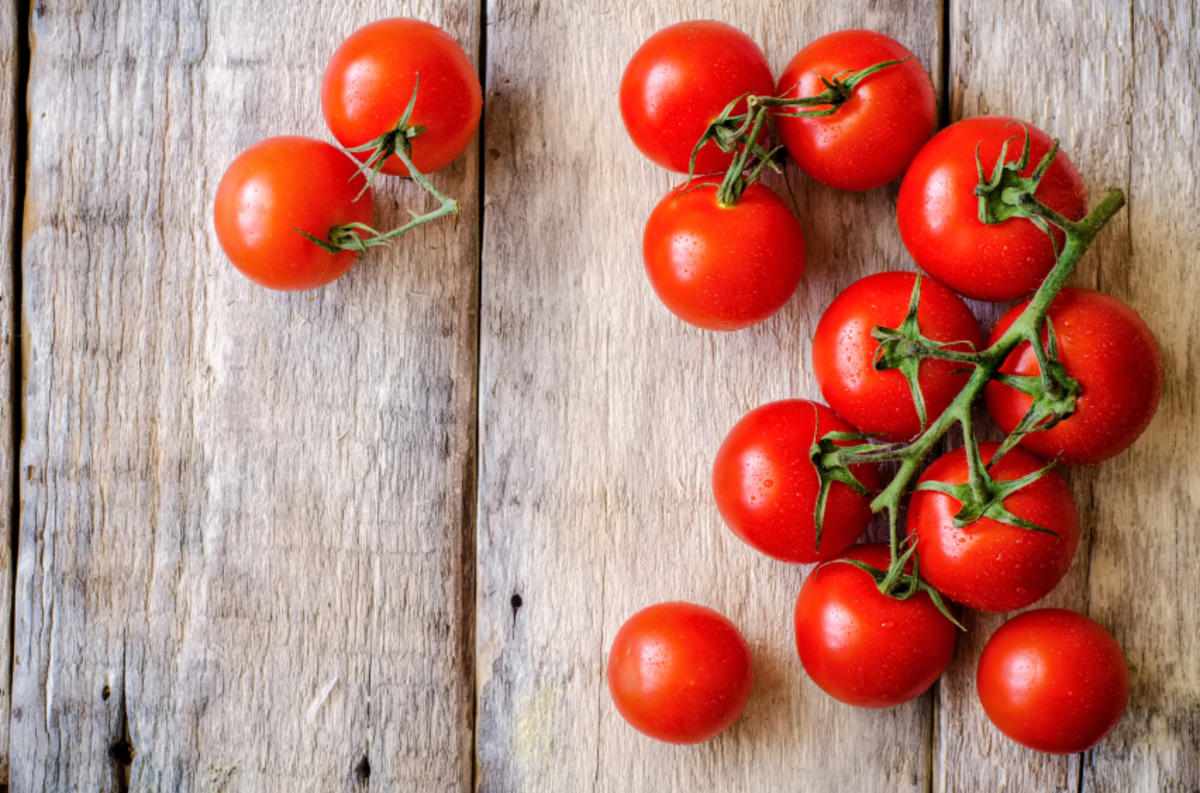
(1108, 348)
(938, 211)
(766, 486)
(987, 564)
(1053, 680)
(280, 185)
(879, 401)
(679, 672)
(864, 648)
(873, 136)
(679, 80)
(723, 267)
(370, 80)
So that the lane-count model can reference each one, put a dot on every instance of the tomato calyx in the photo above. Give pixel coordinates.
(826, 457)
(389, 143)
(1053, 393)
(742, 133)
(899, 582)
(904, 348)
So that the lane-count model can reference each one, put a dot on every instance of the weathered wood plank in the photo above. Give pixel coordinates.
(601, 413)
(242, 560)
(10, 107)
(1128, 574)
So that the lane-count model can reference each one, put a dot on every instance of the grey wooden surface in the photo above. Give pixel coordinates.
(253, 547)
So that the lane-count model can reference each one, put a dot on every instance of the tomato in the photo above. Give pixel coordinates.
(1053, 680)
(865, 648)
(370, 80)
(938, 211)
(871, 138)
(766, 486)
(987, 564)
(723, 267)
(280, 185)
(879, 402)
(679, 80)
(1108, 348)
(679, 672)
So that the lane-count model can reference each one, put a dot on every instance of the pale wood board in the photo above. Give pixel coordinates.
(601, 413)
(9, 206)
(1086, 72)
(244, 556)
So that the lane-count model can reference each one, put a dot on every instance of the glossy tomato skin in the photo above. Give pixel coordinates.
(1053, 680)
(277, 186)
(1108, 348)
(679, 672)
(938, 211)
(989, 565)
(875, 134)
(679, 80)
(864, 648)
(879, 402)
(766, 486)
(723, 268)
(370, 80)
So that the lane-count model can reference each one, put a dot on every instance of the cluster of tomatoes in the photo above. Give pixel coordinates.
(989, 209)
(294, 212)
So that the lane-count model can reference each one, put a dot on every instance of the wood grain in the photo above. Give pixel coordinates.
(242, 560)
(601, 413)
(10, 107)
(1131, 572)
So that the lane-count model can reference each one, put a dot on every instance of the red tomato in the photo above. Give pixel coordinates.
(280, 185)
(938, 211)
(864, 648)
(1108, 348)
(718, 267)
(766, 486)
(877, 401)
(1053, 680)
(990, 565)
(370, 80)
(679, 672)
(874, 135)
(679, 80)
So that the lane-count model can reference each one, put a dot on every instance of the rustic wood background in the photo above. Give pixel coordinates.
(380, 536)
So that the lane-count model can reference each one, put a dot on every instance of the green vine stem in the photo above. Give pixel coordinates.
(742, 133)
(1005, 197)
(359, 237)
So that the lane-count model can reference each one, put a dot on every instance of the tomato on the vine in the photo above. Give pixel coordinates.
(766, 486)
(679, 80)
(873, 136)
(865, 648)
(1107, 347)
(938, 210)
(679, 672)
(278, 188)
(988, 564)
(1053, 680)
(723, 267)
(879, 401)
(372, 76)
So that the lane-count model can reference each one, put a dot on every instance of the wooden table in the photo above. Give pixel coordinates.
(380, 535)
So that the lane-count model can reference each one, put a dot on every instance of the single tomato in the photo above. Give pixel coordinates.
(938, 211)
(988, 564)
(723, 267)
(1108, 348)
(1053, 680)
(766, 486)
(679, 672)
(277, 188)
(873, 136)
(865, 648)
(679, 80)
(879, 401)
(370, 80)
